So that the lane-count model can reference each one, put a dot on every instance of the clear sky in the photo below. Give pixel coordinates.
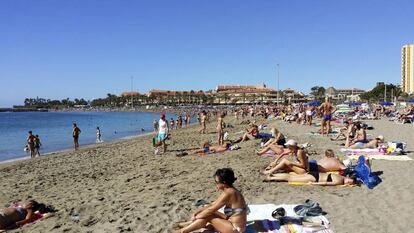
(84, 48)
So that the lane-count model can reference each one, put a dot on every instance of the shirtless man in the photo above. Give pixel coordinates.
(327, 110)
(220, 132)
(203, 122)
(330, 163)
(75, 133)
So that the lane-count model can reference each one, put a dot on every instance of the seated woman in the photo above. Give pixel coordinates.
(330, 163)
(207, 148)
(235, 208)
(278, 138)
(343, 132)
(252, 132)
(300, 166)
(18, 216)
(315, 178)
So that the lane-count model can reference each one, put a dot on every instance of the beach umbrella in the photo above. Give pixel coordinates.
(386, 103)
(410, 101)
(313, 103)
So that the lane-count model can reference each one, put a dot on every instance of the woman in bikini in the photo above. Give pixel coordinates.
(234, 218)
(300, 166)
(18, 216)
(315, 178)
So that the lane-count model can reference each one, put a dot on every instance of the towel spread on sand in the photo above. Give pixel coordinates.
(260, 220)
(318, 134)
(383, 157)
(304, 183)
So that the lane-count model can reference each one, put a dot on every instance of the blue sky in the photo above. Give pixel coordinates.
(83, 48)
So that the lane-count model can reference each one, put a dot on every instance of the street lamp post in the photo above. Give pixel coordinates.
(132, 88)
(277, 91)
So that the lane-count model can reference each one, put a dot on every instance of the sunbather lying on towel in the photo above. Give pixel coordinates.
(343, 132)
(14, 217)
(207, 148)
(375, 143)
(316, 178)
(235, 208)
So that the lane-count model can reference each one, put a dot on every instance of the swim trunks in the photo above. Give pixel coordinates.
(327, 117)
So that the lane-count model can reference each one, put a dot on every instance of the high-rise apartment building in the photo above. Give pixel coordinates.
(407, 68)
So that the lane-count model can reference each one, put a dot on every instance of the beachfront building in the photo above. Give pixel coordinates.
(130, 93)
(292, 96)
(351, 94)
(238, 94)
(407, 68)
(178, 97)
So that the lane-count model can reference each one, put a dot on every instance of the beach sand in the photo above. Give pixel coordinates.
(123, 187)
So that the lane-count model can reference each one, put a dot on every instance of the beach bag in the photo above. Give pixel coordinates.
(364, 175)
(397, 146)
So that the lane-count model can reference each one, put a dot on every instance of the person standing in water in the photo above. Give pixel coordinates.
(75, 133)
(98, 135)
(37, 145)
(31, 144)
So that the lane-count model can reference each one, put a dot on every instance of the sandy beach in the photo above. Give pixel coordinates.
(123, 187)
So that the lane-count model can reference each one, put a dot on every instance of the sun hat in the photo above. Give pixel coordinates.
(291, 142)
(380, 137)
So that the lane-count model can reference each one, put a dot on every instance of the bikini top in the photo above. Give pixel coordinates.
(234, 211)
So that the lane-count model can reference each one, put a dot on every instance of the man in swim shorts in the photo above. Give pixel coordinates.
(327, 110)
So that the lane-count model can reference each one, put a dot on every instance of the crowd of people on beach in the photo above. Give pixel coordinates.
(291, 162)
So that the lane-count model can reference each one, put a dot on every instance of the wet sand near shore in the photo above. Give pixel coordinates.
(123, 187)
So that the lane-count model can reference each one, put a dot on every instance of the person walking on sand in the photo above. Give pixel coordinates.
(220, 132)
(75, 133)
(31, 144)
(37, 145)
(162, 134)
(98, 135)
(203, 122)
(327, 110)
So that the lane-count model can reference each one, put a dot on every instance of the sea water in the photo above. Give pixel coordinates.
(55, 129)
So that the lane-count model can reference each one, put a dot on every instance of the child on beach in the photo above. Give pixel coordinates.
(37, 145)
(172, 123)
(98, 135)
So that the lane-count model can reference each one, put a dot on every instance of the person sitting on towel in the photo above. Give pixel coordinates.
(234, 218)
(14, 217)
(300, 166)
(315, 178)
(330, 162)
(252, 132)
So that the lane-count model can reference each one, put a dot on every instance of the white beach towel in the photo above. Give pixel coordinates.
(383, 157)
(260, 220)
